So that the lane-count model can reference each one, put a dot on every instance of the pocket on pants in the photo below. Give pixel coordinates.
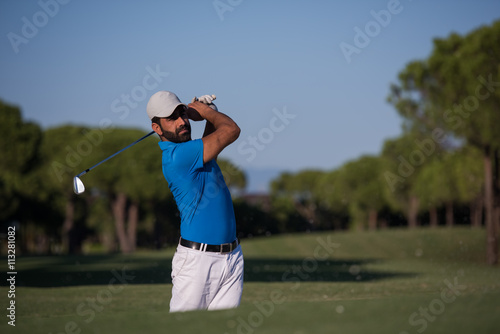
(178, 262)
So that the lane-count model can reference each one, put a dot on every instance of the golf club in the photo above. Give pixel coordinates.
(78, 186)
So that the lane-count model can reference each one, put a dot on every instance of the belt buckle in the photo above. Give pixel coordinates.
(222, 248)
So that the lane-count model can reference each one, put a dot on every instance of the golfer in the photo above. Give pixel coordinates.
(207, 268)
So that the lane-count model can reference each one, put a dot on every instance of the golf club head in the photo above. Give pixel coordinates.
(78, 186)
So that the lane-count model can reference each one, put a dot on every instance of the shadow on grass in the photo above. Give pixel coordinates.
(102, 270)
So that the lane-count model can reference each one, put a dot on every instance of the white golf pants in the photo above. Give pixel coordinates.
(206, 280)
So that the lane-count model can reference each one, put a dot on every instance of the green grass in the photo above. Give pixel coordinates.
(392, 281)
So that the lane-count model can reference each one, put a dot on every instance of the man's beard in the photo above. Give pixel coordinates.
(177, 137)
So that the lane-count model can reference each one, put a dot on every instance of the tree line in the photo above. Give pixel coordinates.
(443, 169)
(127, 202)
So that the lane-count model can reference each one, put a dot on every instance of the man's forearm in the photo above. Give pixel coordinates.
(209, 128)
(194, 115)
(215, 119)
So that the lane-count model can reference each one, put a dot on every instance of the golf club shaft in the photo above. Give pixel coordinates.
(112, 155)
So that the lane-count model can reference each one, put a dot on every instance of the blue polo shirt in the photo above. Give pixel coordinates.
(201, 194)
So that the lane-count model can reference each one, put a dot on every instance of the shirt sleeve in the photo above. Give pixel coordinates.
(188, 156)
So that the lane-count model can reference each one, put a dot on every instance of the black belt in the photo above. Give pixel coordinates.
(224, 248)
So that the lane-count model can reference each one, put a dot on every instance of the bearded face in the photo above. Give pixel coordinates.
(175, 128)
(180, 135)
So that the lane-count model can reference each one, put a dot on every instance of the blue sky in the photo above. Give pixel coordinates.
(276, 67)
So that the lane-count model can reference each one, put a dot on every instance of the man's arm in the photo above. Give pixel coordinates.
(209, 129)
(225, 130)
(195, 116)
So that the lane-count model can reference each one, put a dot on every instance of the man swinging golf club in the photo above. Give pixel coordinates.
(207, 268)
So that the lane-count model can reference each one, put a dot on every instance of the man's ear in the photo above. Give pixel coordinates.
(156, 128)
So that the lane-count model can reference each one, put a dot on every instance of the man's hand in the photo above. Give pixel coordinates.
(197, 110)
(193, 113)
(208, 100)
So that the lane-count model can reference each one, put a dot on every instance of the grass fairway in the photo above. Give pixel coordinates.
(392, 281)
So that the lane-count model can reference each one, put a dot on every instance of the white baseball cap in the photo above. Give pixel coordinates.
(162, 104)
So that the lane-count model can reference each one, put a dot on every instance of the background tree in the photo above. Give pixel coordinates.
(65, 152)
(332, 196)
(127, 180)
(19, 145)
(361, 182)
(468, 73)
(300, 192)
(469, 169)
(301, 189)
(284, 210)
(455, 91)
(19, 185)
(436, 186)
(403, 158)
